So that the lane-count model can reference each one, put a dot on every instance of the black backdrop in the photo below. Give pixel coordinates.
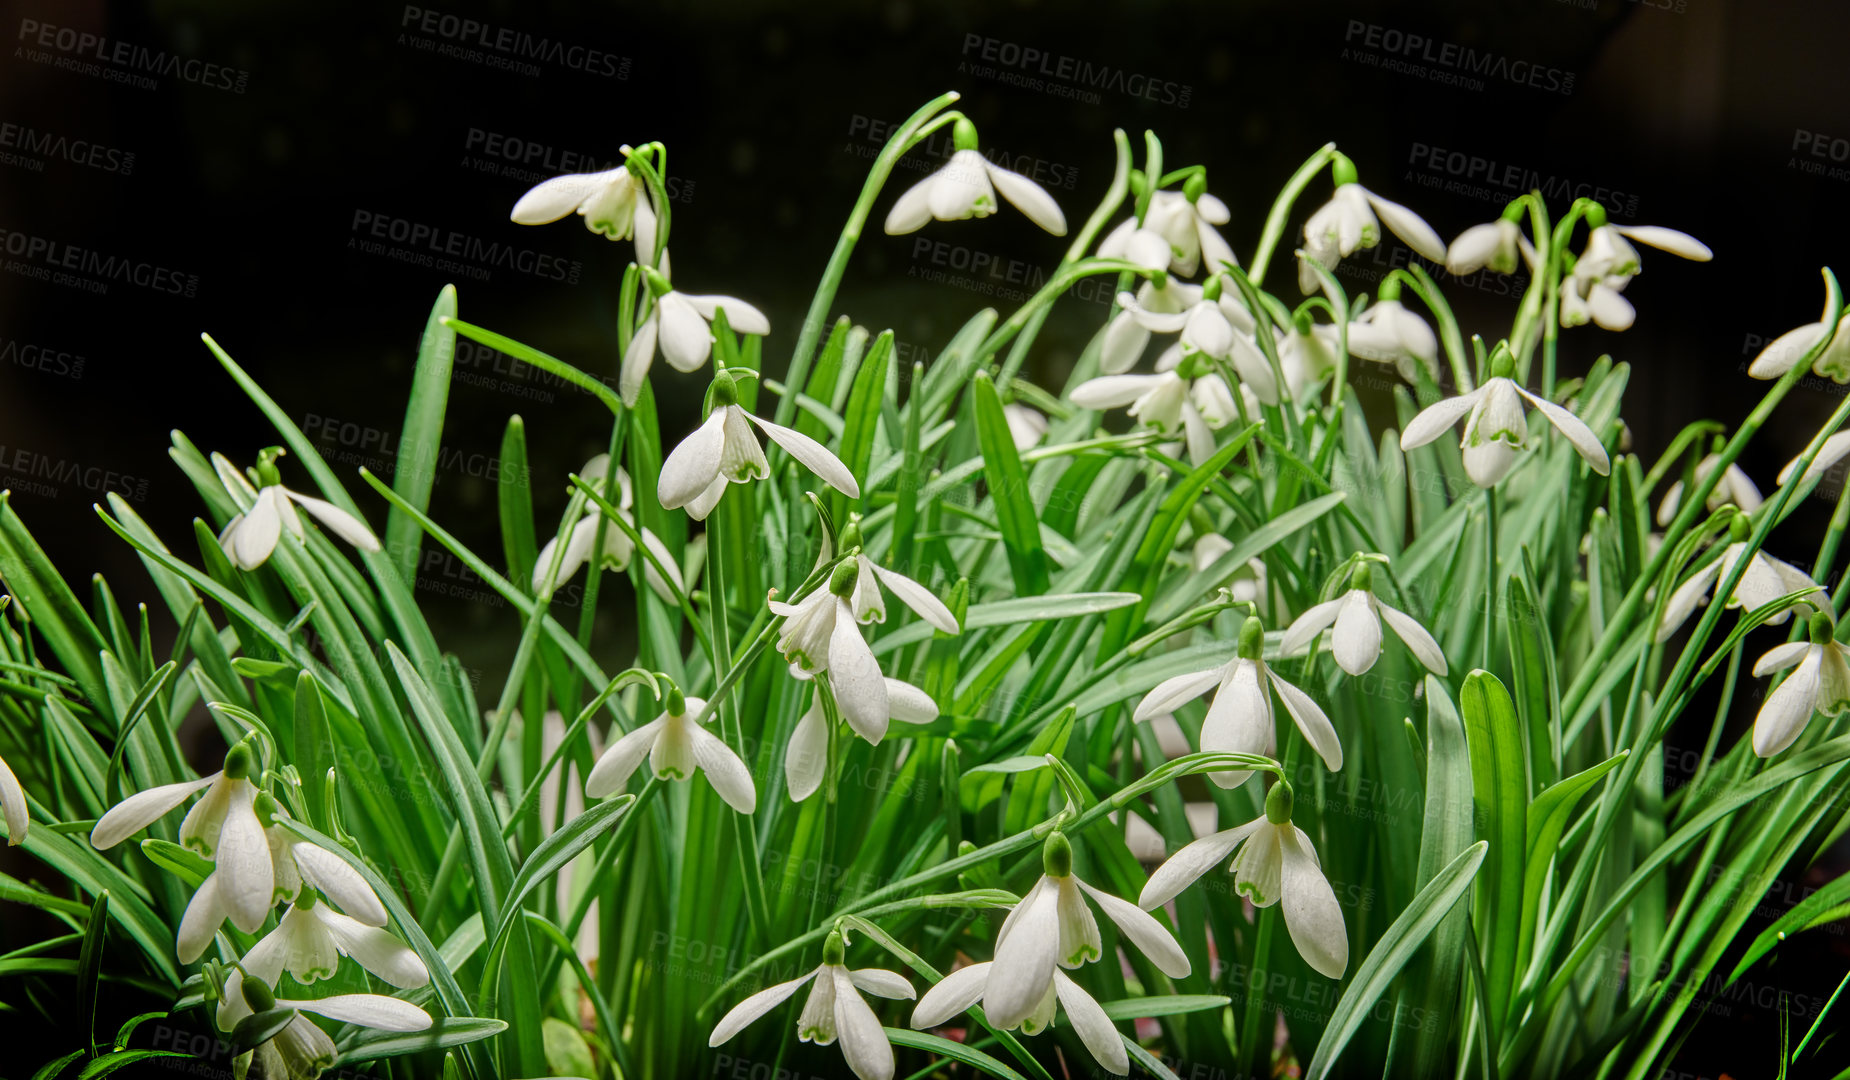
(260, 171)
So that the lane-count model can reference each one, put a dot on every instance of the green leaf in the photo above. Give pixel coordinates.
(90, 963)
(1027, 609)
(422, 437)
(955, 1051)
(1547, 820)
(193, 868)
(314, 746)
(1827, 905)
(109, 1063)
(1391, 952)
(1008, 488)
(1163, 1005)
(112, 778)
(1499, 792)
(555, 852)
(863, 418)
(567, 1054)
(371, 1045)
(51, 1069)
(1218, 573)
(29, 577)
(259, 1028)
(127, 1030)
(514, 495)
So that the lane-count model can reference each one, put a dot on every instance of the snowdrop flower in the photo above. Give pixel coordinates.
(1388, 333)
(1027, 427)
(834, 1010)
(675, 746)
(680, 323)
(308, 943)
(1052, 928)
(966, 187)
(1785, 351)
(1820, 685)
(822, 636)
(1184, 223)
(1275, 862)
(1349, 223)
(1496, 431)
(1126, 336)
(1734, 487)
(618, 549)
(724, 450)
(13, 805)
(1208, 323)
(1765, 580)
(1164, 401)
(1499, 245)
(1137, 244)
(223, 826)
(1835, 448)
(868, 601)
(1358, 616)
(614, 203)
(302, 1049)
(806, 759)
(1307, 351)
(1239, 718)
(1607, 265)
(249, 538)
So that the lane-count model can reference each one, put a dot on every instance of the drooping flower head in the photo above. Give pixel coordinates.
(615, 203)
(1820, 685)
(966, 187)
(1357, 615)
(723, 450)
(681, 324)
(1496, 431)
(676, 746)
(834, 1011)
(249, 538)
(1499, 245)
(1607, 265)
(1351, 221)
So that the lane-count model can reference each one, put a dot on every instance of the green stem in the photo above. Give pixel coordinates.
(1490, 575)
(745, 840)
(1281, 209)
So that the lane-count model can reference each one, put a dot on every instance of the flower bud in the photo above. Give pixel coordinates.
(1362, 577)
(1502, 363)
(1739, 528)
(850, 537)
(1057, 856)
(268, 475)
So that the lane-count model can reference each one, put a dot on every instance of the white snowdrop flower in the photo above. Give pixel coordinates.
(618, 549)
(1836, 447)
(1275, 862)
(681, 323)
(822, 636)
(723, 450)
(966, 187)
(1786, 350)
(1307, 352)
(1052, 928)
(1499, 245)
(1388, 333)
(1163, 401)
(1208, 322)
(834, 1011)
(675, 746)
(1027, 426)
(303, 1050)
(222, 826)
(1607, 265)
(250, 537)
(1733, 487)
(1125, 335)
(868, 600)
(615, 203)
(1137, 244)
(308, 943)
(1585, 300)
(13, 806)
(1820, 685)
(1356, 640)
(806, 759)
(1351, 221)
(1239, 719)
(1497, 431)
(1185, 226)
(968, 985)
(1765, 580)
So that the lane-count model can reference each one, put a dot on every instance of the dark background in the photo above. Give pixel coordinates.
(253, 182)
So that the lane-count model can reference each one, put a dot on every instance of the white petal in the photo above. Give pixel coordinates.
(1356, 642)
(375, 949)
(1677, 243)
(1190, 862)
(1172, 693)
(204, 914)
(806, 759)
(1833, 451)
(1438, 418)
(1575, 429)
(812, 455)
(1239, 721)
(1307, 626)
(666, 581)
(883, 983)
(703, 503)
(1473, 249)
(1024, 960)
(1092, 1026)
(1780, 657)
(1315, 726)
(644, 226)
(1789, 707)
(621, 759)
(638, 358)
(343, 524)
(725, 771)
(1673, 501)
(961, 189)
(245, 875)
(741, 316)
(908, 704)
(854, 676)
(141, 810)
(953, 994)
(1112, 391)
(1785, 350)
(1311, 912)
(694, 464)
(1143, 931)
(911, 211)
(1197, 434)
(1148, 249)
(686, 338)
(863, 1042)
(258, 533)
(1610, 311)
(552, 199)
(1684, 600)
(1409, 226)
(1028, 197)
(13, 804)
(918, 598)
(1125, 340)
(339, 882)
(741, 459)
(1414, 636)
(366, 1010)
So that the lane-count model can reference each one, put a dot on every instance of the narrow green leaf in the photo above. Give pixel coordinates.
(109, 1063)
(372, 1045)
(1008, 489)
(90, 964)
(421, 440)
(954, 1051)
(1547, 819)
(1499, 792)
(1164, 1005)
